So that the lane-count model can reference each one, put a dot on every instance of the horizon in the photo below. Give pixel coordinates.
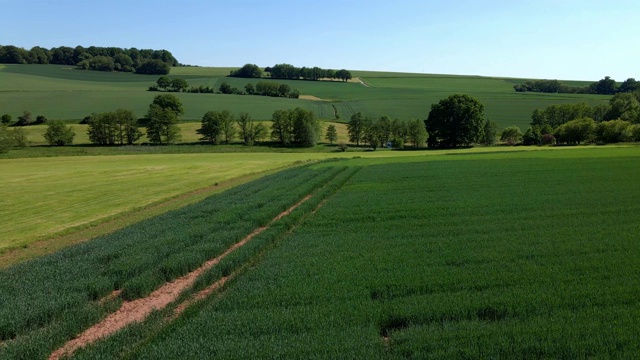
(524, 40)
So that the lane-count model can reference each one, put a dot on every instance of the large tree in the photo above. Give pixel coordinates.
(455, 121)
(306, 128)
(356, 128)
(211, 129)
(162, 119)
(282, 127)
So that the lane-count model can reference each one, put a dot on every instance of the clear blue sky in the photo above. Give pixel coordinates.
(563, 39)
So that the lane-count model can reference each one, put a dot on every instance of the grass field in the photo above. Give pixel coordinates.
(60, 92)
(477, 254)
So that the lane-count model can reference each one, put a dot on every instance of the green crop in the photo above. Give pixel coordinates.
(478, 256)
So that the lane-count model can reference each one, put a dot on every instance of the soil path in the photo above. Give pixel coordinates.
(362, 82)
(138, 310)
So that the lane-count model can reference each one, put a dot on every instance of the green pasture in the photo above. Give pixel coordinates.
(520, 255)
(61, 92)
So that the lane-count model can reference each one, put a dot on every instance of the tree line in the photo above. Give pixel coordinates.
(385, 132)
(606, 86)
(263, 88)
(141, 61)
(290, 72)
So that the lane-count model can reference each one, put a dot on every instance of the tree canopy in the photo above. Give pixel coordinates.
(455, 121)
(93, 58)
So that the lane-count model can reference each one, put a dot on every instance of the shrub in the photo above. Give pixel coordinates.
(548, 139)
(511, 135)
(59, 134)
(6, 119)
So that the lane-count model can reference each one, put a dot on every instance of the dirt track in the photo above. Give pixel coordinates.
(138, 310)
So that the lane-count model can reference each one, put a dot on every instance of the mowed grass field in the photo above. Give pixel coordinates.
(528, 254)
(60, 92)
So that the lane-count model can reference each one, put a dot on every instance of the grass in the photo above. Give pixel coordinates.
(60, 92)
(521, 255)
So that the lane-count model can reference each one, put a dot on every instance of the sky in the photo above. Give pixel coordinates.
(543, 39)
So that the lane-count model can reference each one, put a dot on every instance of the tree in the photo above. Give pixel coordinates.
(179, 85)
(249, 89)
(247, 71)
(343, 75)
(250, 131)
(169, 101)
(6, 138)
(455, 121)
(59, 134)
(282, 127)
(153, 67)
(511, 135)
(417, 133)
(533, 136)
(101, 129)
(6, 119)
(575, 131)
(383, 130)
(226, 126)
(606, 86)
(306, 128)
(41, 119)
(25, 119)
(356, 127)
(163, 83)
(489, 133)
(225, 88)
(127, 127)
(332, 134)
(283, 90)
(629, 85)
(614, 131)
(399, 132)
(211, 129)
(162, 119)
(624, 106)
(162, 125)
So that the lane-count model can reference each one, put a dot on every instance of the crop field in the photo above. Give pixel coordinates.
(60, 92)
(526, 254)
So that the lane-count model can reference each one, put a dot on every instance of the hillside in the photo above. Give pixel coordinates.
(61, 92)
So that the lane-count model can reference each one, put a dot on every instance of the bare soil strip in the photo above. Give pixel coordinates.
(361, 82)
(138, 310)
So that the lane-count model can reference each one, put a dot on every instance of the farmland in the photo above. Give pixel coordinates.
(453, 255)
(60, 92)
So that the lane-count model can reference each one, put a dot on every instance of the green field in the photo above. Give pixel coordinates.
(60, 92)
(477, 254)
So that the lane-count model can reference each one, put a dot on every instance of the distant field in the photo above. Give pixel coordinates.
(61, 92)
